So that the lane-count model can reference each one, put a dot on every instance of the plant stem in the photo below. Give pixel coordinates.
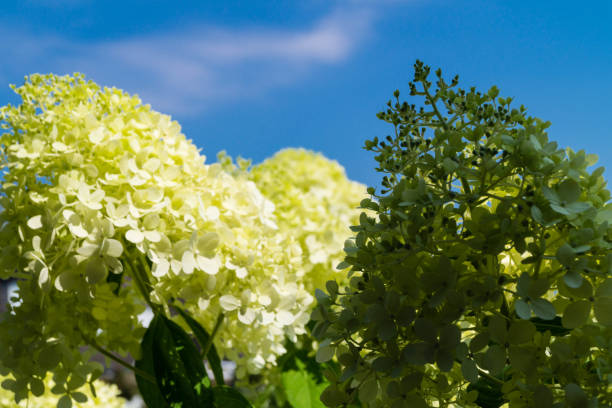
(209, 343)
(490, 377)
(136, 370)
(142, 287)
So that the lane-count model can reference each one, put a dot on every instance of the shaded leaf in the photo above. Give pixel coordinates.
(576, 314)
(554, 326)
(543, 309)
(203, 338)
(150, 392)
(228, 397)
(521, 331)
(603, 310)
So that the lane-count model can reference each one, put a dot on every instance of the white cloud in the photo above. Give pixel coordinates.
(183, 72)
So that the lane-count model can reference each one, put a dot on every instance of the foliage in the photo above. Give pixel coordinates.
(485, 276)
(106, 395)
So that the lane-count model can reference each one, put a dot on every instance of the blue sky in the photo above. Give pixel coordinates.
(252, 77)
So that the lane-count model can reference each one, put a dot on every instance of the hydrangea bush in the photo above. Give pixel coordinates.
(486, 276)
(107, 207)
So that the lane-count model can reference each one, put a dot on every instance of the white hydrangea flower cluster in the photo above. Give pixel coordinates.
(316, 203)
(107, 396)
(98, 186)
(105, 201)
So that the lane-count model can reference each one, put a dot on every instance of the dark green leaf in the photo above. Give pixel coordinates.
(149, 391)
(489, 393)
(203, 338)
(575, 396)
(228, 397)
(576, 314)
(521, 331)
(565, 254)
(555, 326)
(179, 369)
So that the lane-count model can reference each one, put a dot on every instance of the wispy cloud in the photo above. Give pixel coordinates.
(183, 72)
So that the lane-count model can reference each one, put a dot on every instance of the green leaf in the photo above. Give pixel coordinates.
(554, 326)
(542, 397)
(576, 314)
(489, 393)
(536, 213)
(79, 397)
(480, 341)
(64, 402)
(469, 370)
(495, 359)
(603, 310)
(332, 396)
(95, 271)
(575, 396)
(568, 191)
(522, 286)
(150, 392)
(418, 353)
(565, 254)
(543, 309)
(203, 338)
(521, 331)
(449, 165)
(605, 289)
(573, 279)
(415, 401)
(368, 390)
(37, 387)
(325, 352)
(523, 310)
(301, 389)
(497, 329)
(332, 287)
(228, 397)
(584, 291)
(177, 366)
(382, 364)
(521, 359)
(538, 287)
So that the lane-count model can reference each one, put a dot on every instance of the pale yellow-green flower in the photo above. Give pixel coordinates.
(97, 186)
(315, 205)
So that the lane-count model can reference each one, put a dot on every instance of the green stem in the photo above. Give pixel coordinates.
(209, 343)
(142, 286)
(490, 377)
(433, 105)
(466, 186)
(136, 370)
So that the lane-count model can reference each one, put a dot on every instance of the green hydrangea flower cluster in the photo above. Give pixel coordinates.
(486, 277)
(106, 396)
(105, 203)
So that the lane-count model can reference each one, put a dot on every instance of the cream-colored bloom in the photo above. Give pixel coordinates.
(98, 185)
